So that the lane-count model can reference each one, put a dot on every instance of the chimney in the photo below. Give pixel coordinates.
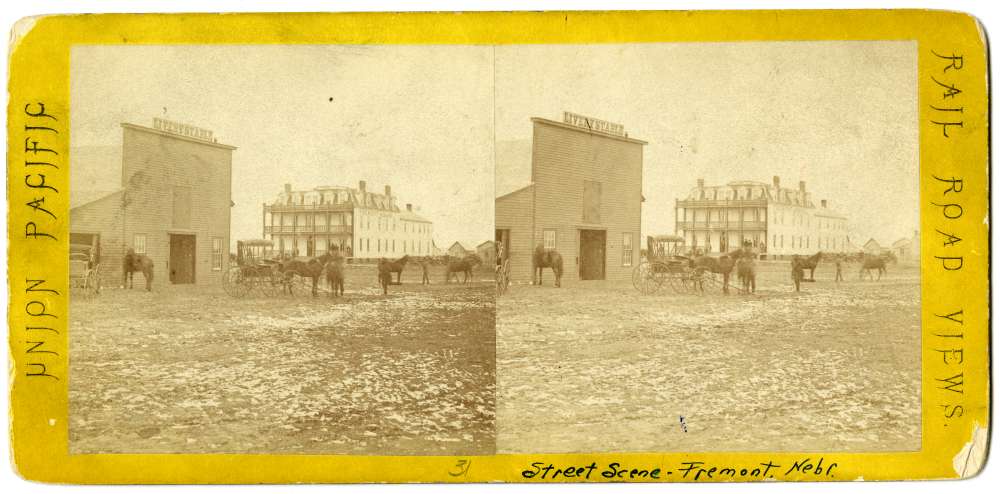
(288, 188)
(823, 203)
(802, 185)
(701, 183)
(777, 181)
(361, 185)
(409, 207)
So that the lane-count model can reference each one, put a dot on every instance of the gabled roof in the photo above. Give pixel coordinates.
(411, 216)
(488, 244)
(872, 242)
(518, 191)
(460, 246)
(79, 198)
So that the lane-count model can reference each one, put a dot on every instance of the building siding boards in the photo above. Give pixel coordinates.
(103, 217)
(158, 169)
(565, 158)
(514, 213)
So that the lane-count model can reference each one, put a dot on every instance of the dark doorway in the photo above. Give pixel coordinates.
(592, 243)
(181, 259)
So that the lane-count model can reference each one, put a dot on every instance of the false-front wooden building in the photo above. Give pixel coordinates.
(584, 201)
(173, 205)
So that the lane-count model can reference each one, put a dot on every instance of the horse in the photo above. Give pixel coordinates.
(746, 270)
(464, 265)
(810, 264)
(546, 258)
(720, 265)
(385, 268)
(396, 266)
(306, 268)
(137, 262)
(334, 270)
(870, 264)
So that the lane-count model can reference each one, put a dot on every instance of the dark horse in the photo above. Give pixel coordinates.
(334, 269)
(721, 265)
(306, 268)
(810, 264)
(870, 264)
(464, 265)
(385, 270)
(546, 259)
(746, 269)
(137, 262)
(396, 266)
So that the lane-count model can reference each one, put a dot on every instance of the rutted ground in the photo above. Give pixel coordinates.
(603, 368)
(193, 370)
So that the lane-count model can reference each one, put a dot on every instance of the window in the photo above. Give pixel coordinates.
(549, 239)
(216, 254)
(139, 243)
(626, 249)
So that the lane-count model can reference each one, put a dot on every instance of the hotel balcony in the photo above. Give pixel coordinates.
(715, 203)
(722, 226)
(335, 229)
(290, 208)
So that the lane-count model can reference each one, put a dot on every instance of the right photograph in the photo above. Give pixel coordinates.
(707, 247)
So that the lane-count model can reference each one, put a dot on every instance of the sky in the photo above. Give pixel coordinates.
(841, 116)
(448, 127)
(417, 118)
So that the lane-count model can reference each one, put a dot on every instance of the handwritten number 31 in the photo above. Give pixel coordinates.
(461, 468)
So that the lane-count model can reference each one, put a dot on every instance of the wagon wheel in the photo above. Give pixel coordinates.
(675, 281)
(269, 283)
(503, 277)
(92, 284)
(235, 283)
(712, 282)
(691, 280)
(648, 277)
(638, 273)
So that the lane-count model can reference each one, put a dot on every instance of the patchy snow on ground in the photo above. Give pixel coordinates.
(191, 370)
(599, 367)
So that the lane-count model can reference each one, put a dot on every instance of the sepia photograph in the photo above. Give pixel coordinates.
(282, 249)
(708, 247)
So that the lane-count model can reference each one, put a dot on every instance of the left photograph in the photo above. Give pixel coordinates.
(282, 249)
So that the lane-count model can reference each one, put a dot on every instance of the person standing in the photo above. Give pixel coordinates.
(798, 273)
(840, 273)
(423, 268)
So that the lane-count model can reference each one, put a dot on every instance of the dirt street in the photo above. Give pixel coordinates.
(598, 367)
(192, 370)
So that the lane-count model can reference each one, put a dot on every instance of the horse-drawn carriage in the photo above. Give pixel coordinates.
(84, 270)
(665, 264)
(256, 270)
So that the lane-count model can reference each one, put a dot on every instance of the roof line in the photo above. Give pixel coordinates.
(176, 136)
(587, 131)
(526, 187)
(101, 198)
